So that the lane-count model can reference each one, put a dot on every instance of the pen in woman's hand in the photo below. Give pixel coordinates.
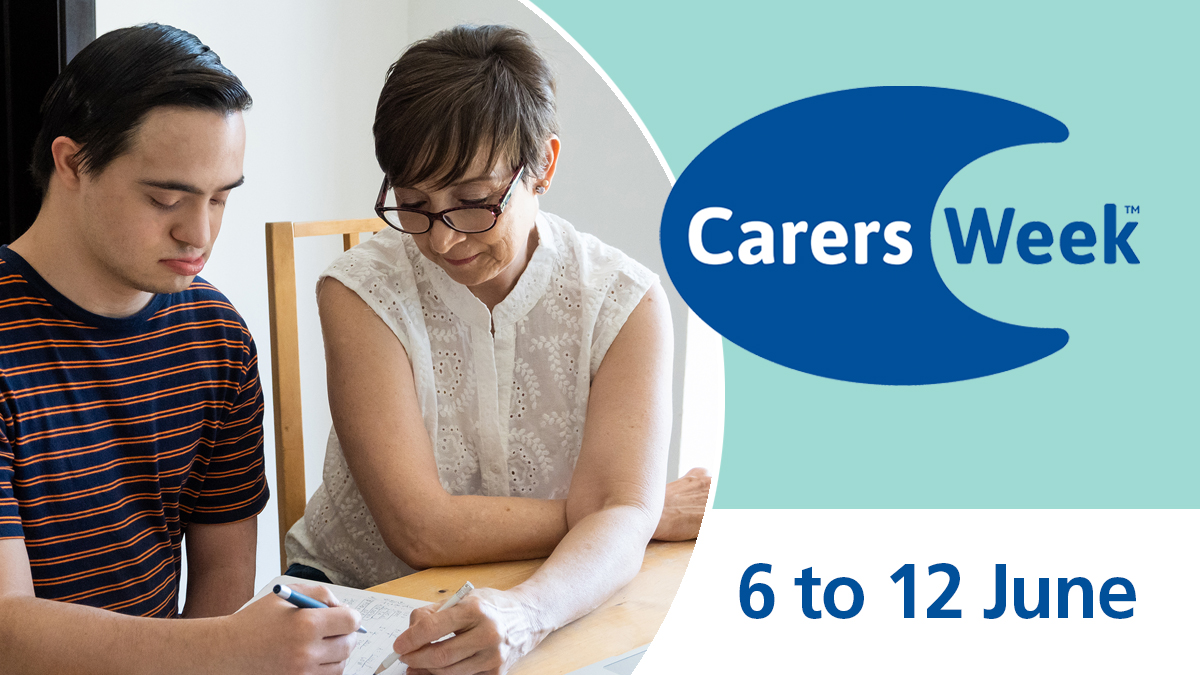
(301, 600)
(458, 595)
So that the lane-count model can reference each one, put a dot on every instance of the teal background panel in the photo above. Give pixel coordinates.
(1107, 422)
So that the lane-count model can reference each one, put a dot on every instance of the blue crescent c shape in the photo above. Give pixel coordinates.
(877, 154)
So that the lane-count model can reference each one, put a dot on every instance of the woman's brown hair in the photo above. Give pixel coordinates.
(461, 92)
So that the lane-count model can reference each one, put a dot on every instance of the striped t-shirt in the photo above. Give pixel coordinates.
(116, 434)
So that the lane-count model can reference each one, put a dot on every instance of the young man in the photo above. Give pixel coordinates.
(130, 405)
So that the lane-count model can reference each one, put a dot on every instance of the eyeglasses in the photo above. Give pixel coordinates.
(466, 219)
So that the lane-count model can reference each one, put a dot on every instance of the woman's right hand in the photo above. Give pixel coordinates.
(683, 507)
(492, 630)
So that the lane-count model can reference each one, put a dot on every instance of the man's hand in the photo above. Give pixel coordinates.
(272, 636)
(492, 629)
(683, 508)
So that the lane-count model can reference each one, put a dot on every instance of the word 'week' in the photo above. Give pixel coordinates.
(1035, 236)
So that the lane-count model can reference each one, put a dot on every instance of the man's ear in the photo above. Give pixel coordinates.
(552, 147)
(66, 163)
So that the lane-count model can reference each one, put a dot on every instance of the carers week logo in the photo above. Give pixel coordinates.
(803, 235)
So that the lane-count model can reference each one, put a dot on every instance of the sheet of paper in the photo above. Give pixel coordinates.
(383, 617)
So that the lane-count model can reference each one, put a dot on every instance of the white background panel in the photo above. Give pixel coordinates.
(706, 630)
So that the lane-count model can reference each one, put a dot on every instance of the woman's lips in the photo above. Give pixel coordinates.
(188, 267)
(461, 261)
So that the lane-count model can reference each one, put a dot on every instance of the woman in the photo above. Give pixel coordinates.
(499, 383)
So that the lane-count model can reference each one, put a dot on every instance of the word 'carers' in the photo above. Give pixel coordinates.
(826, 241)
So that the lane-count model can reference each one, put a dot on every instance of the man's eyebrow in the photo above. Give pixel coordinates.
(184, 187)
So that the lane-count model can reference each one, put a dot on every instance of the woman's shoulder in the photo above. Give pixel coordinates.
(382, 272)
(385, 257)
(611, 284)
(599, 264)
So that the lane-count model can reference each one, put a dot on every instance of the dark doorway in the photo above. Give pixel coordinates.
(38, 38)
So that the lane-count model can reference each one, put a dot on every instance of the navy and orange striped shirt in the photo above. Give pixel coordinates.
(116, 434)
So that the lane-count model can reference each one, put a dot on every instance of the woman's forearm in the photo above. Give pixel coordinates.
(601, 554)
(493, 629)
(470, 529)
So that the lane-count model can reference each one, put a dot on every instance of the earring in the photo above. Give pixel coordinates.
(540, 189)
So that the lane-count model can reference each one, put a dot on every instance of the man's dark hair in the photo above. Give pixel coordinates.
(105, 92)
(460, 92)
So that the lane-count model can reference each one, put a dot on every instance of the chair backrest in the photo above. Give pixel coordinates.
(285, 356)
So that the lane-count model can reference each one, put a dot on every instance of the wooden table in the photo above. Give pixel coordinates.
(628, 619)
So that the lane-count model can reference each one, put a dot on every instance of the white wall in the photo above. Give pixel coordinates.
(314, 68)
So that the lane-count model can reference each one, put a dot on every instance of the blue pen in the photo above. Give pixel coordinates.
(301, 600)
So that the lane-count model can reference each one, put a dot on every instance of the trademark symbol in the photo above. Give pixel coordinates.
(1132, 209)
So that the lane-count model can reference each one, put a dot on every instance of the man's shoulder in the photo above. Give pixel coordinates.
(201, 301)
(13, 283)
(200, 315)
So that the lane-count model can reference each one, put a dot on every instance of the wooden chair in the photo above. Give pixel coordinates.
(285, 356)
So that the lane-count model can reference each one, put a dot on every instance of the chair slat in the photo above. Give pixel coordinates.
(285, 356)
(285, 377)
(317, 228)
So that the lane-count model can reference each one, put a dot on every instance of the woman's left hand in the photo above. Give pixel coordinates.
(492, 630)
(683, 507)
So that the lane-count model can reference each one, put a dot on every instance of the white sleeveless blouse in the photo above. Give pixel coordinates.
(504, 412)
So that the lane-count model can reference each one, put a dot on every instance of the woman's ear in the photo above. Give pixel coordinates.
(552, 147)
